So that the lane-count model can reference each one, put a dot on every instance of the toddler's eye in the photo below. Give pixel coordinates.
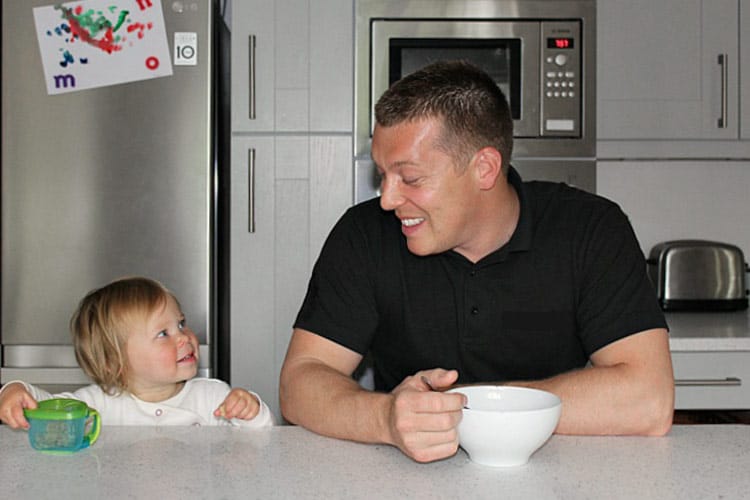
(181, 324)
(162, 333)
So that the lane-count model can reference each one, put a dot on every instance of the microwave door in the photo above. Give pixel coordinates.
(507, 50)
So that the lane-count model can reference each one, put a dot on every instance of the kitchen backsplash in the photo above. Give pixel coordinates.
(669, 200)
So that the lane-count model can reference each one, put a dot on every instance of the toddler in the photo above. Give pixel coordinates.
(131, 338)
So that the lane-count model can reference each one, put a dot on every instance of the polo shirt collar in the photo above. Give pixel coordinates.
(521, 239)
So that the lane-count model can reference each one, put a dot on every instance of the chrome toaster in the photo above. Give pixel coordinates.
(698, 275)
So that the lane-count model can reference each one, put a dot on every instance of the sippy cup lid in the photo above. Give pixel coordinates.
(58, 409)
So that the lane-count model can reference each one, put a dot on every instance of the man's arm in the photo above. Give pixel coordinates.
(628, 390)
(317, 392)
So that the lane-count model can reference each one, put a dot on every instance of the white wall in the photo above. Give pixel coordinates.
(681, 199)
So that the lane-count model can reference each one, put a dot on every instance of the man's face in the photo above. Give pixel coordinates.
(431, 197)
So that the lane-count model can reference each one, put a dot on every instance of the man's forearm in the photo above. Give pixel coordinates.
(327, 402)
(606, 401)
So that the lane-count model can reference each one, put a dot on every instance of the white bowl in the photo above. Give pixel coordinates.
(503, 426)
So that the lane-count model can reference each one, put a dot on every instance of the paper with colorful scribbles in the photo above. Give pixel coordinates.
(96, 43)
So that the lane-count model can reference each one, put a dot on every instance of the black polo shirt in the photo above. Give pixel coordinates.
(571, 280)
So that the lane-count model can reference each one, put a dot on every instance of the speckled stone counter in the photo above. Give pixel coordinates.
(709, 331)
(289, 462)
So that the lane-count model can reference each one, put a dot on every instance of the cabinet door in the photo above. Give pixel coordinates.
(331, 66)
(252, 270)
(253, 72)
(659, 71)
(711, 380)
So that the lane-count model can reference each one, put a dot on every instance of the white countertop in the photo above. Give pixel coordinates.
(709, 331)
(289, 462)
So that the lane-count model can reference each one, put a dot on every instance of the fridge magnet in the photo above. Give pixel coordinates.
(96, 43)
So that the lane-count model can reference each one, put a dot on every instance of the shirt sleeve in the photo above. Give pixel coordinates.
(340, 301)
(616, 298)
(36, 393)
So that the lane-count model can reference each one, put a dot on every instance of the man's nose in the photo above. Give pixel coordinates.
(390, 195)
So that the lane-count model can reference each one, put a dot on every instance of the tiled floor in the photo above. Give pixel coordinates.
(711, 417)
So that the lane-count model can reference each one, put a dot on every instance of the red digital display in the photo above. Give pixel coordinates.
(559, 43)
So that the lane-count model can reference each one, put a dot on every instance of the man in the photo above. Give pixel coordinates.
(465, 274)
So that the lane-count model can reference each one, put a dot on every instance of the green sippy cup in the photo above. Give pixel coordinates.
(62, 426)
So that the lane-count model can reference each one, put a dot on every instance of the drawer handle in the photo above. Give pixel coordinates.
(714, 382)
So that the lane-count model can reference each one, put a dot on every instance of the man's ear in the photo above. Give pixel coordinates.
(488, 163)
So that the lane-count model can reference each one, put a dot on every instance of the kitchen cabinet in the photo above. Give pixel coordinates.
(711, 380)
(293, 188)
(668, 69)
(253, 67)
(292, 66)
(291, 168)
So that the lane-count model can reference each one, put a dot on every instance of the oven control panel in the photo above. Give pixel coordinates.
(561, 79)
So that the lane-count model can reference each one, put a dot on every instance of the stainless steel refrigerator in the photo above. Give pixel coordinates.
(119, 173)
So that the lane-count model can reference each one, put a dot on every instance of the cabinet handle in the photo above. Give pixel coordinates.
(251, 190)
(724, 79)
(251, 76)
(722, 382)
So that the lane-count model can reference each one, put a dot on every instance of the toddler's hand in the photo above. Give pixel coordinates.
(238, 404)
(13, 400)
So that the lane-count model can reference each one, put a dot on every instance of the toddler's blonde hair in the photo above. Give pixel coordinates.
(104, 319)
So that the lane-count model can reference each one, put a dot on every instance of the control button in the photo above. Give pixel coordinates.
(564, 84)
(563, 94)
(561, 59)
(551, 74)
(549, 84)
(557, 94)
(560, 125)
(557, 84)
(569, 74)
(571, 94)
(549, 94)
(549, 59)
(571, 84)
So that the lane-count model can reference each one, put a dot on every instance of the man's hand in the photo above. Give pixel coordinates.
(423, 421)
(13, 399)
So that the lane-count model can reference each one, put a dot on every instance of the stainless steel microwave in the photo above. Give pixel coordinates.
(540, 53)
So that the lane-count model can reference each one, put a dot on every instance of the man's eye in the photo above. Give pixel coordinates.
(410, 181)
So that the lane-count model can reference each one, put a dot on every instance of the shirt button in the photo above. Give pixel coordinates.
(475, 310)
(472, 273)
(158, 412)
(196, 424)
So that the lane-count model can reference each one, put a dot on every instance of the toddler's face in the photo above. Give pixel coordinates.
(162, 354)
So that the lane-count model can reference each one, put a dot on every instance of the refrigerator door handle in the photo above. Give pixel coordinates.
(251, 76)
(251, 190)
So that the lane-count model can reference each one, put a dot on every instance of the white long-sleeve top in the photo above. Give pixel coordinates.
(193, 405)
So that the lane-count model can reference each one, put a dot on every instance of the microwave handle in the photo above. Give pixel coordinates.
(251, 76)
(723, 63)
